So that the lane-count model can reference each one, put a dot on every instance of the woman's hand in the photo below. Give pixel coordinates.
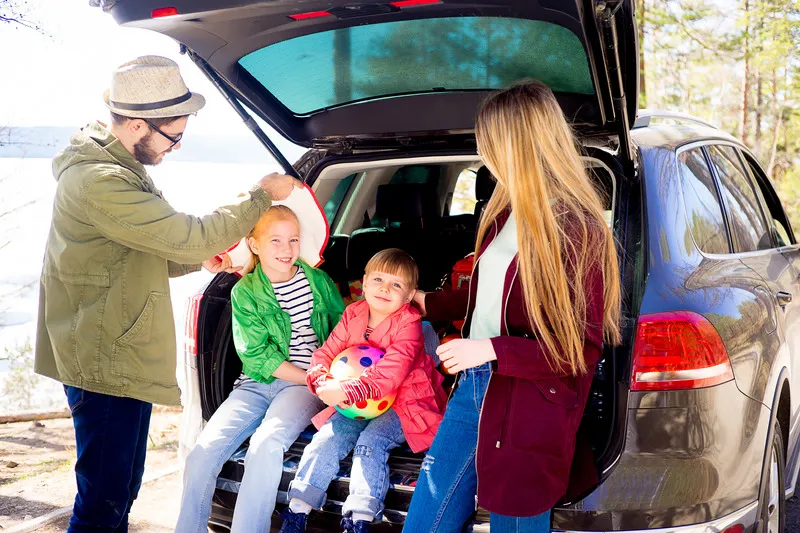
(419, 300)
(331, 393)
(461, 354)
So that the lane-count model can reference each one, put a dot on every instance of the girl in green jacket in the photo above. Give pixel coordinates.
(282, 312)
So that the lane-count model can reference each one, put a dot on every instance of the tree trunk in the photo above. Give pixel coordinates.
(778, 117)
(759, 109)
(342, 53)
(743, 127)
(774, 150)
(642, 77)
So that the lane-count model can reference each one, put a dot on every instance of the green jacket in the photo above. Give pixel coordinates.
(105, 315)
(262, 330)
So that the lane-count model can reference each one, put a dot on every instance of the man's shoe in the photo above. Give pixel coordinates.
(293, 522)
(350, 526)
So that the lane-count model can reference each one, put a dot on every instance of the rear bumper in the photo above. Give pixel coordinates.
(746, 516)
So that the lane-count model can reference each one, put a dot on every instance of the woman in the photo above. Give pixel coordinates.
(532, 336)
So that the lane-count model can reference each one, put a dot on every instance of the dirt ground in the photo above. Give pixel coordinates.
(36, 471)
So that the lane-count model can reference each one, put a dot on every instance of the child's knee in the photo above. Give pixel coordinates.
(199, 461)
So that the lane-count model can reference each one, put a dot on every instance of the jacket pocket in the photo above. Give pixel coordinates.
(76, 397)
(417, 386)
(136, 354)
(542, 416)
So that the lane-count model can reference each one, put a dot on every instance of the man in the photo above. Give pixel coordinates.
(106, 328)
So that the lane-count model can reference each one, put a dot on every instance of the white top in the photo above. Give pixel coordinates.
(295, 298)
(492, 268)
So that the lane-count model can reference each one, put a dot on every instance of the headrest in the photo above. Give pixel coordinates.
(484, 184)
(399, 203)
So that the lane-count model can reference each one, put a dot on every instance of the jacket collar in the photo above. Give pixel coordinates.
(269, 292)
(98, 132)
(358, 324)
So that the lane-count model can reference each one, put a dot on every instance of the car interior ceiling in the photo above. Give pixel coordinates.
(409, 207)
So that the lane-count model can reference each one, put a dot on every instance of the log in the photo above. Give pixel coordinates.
(30, 416)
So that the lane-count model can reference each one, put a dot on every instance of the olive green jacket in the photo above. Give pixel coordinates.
(105, 315)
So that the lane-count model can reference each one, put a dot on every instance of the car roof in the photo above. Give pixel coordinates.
(673, 136)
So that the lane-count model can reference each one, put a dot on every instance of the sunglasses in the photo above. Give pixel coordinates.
(174, 140)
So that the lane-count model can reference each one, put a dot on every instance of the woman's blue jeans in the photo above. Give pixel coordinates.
(445, 495)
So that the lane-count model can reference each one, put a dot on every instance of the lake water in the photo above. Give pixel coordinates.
(26, 195)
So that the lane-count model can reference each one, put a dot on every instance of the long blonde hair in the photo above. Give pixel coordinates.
(526, 143)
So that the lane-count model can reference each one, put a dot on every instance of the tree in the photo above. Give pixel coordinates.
(17, 14)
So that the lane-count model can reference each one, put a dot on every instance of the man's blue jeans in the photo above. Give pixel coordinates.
(111, 443)
(444, 498)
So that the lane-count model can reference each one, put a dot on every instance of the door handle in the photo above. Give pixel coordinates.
(784, 298)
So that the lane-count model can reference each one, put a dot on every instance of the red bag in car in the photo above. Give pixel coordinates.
(460, 277)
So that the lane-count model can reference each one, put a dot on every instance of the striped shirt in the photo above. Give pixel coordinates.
(295, 298)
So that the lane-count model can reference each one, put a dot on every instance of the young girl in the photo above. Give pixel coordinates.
(543, 297)
(387, 321)
(282, 312)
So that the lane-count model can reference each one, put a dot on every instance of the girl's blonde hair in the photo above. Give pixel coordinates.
(526, 143)
(273, 214)
(396, 262)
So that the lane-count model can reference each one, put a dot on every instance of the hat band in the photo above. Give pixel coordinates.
(153, 105)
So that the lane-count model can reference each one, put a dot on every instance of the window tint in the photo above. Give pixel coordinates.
(337, 197)
(319, 70)
(427, 174)
(771, 200)
(702, 203)
(464, 200)
(748, 225)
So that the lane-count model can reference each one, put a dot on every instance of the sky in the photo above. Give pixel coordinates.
(58, 79)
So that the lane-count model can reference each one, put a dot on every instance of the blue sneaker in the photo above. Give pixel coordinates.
(349, 526)
(293, 522)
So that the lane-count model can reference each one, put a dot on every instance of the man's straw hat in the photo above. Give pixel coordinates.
(151, 87)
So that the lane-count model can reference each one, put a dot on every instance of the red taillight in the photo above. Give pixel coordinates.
(163, 12)
(309, 15)
(411, 3)
(678, 350)
(738, 528)
(190, 331)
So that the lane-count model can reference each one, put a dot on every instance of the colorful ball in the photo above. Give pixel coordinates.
(349, 365)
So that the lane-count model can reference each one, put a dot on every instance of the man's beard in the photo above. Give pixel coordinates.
(144, 154)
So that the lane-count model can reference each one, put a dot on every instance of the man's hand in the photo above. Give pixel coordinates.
(278, 186)
(215, 265)
(331, 393)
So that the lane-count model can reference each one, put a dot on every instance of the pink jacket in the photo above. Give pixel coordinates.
(405, 368)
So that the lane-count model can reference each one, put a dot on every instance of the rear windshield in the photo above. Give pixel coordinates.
(335, 67)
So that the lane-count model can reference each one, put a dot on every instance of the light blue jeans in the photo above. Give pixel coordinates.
(275, 415)
(370, 441)
(444, 498)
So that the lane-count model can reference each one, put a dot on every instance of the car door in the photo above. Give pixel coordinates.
(787, 280)
(755, 242)
(339, 72)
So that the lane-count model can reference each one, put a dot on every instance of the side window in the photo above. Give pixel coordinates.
(464, 200)
(337, 197)
(702, 203)
(771, 200)
(748, 225)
